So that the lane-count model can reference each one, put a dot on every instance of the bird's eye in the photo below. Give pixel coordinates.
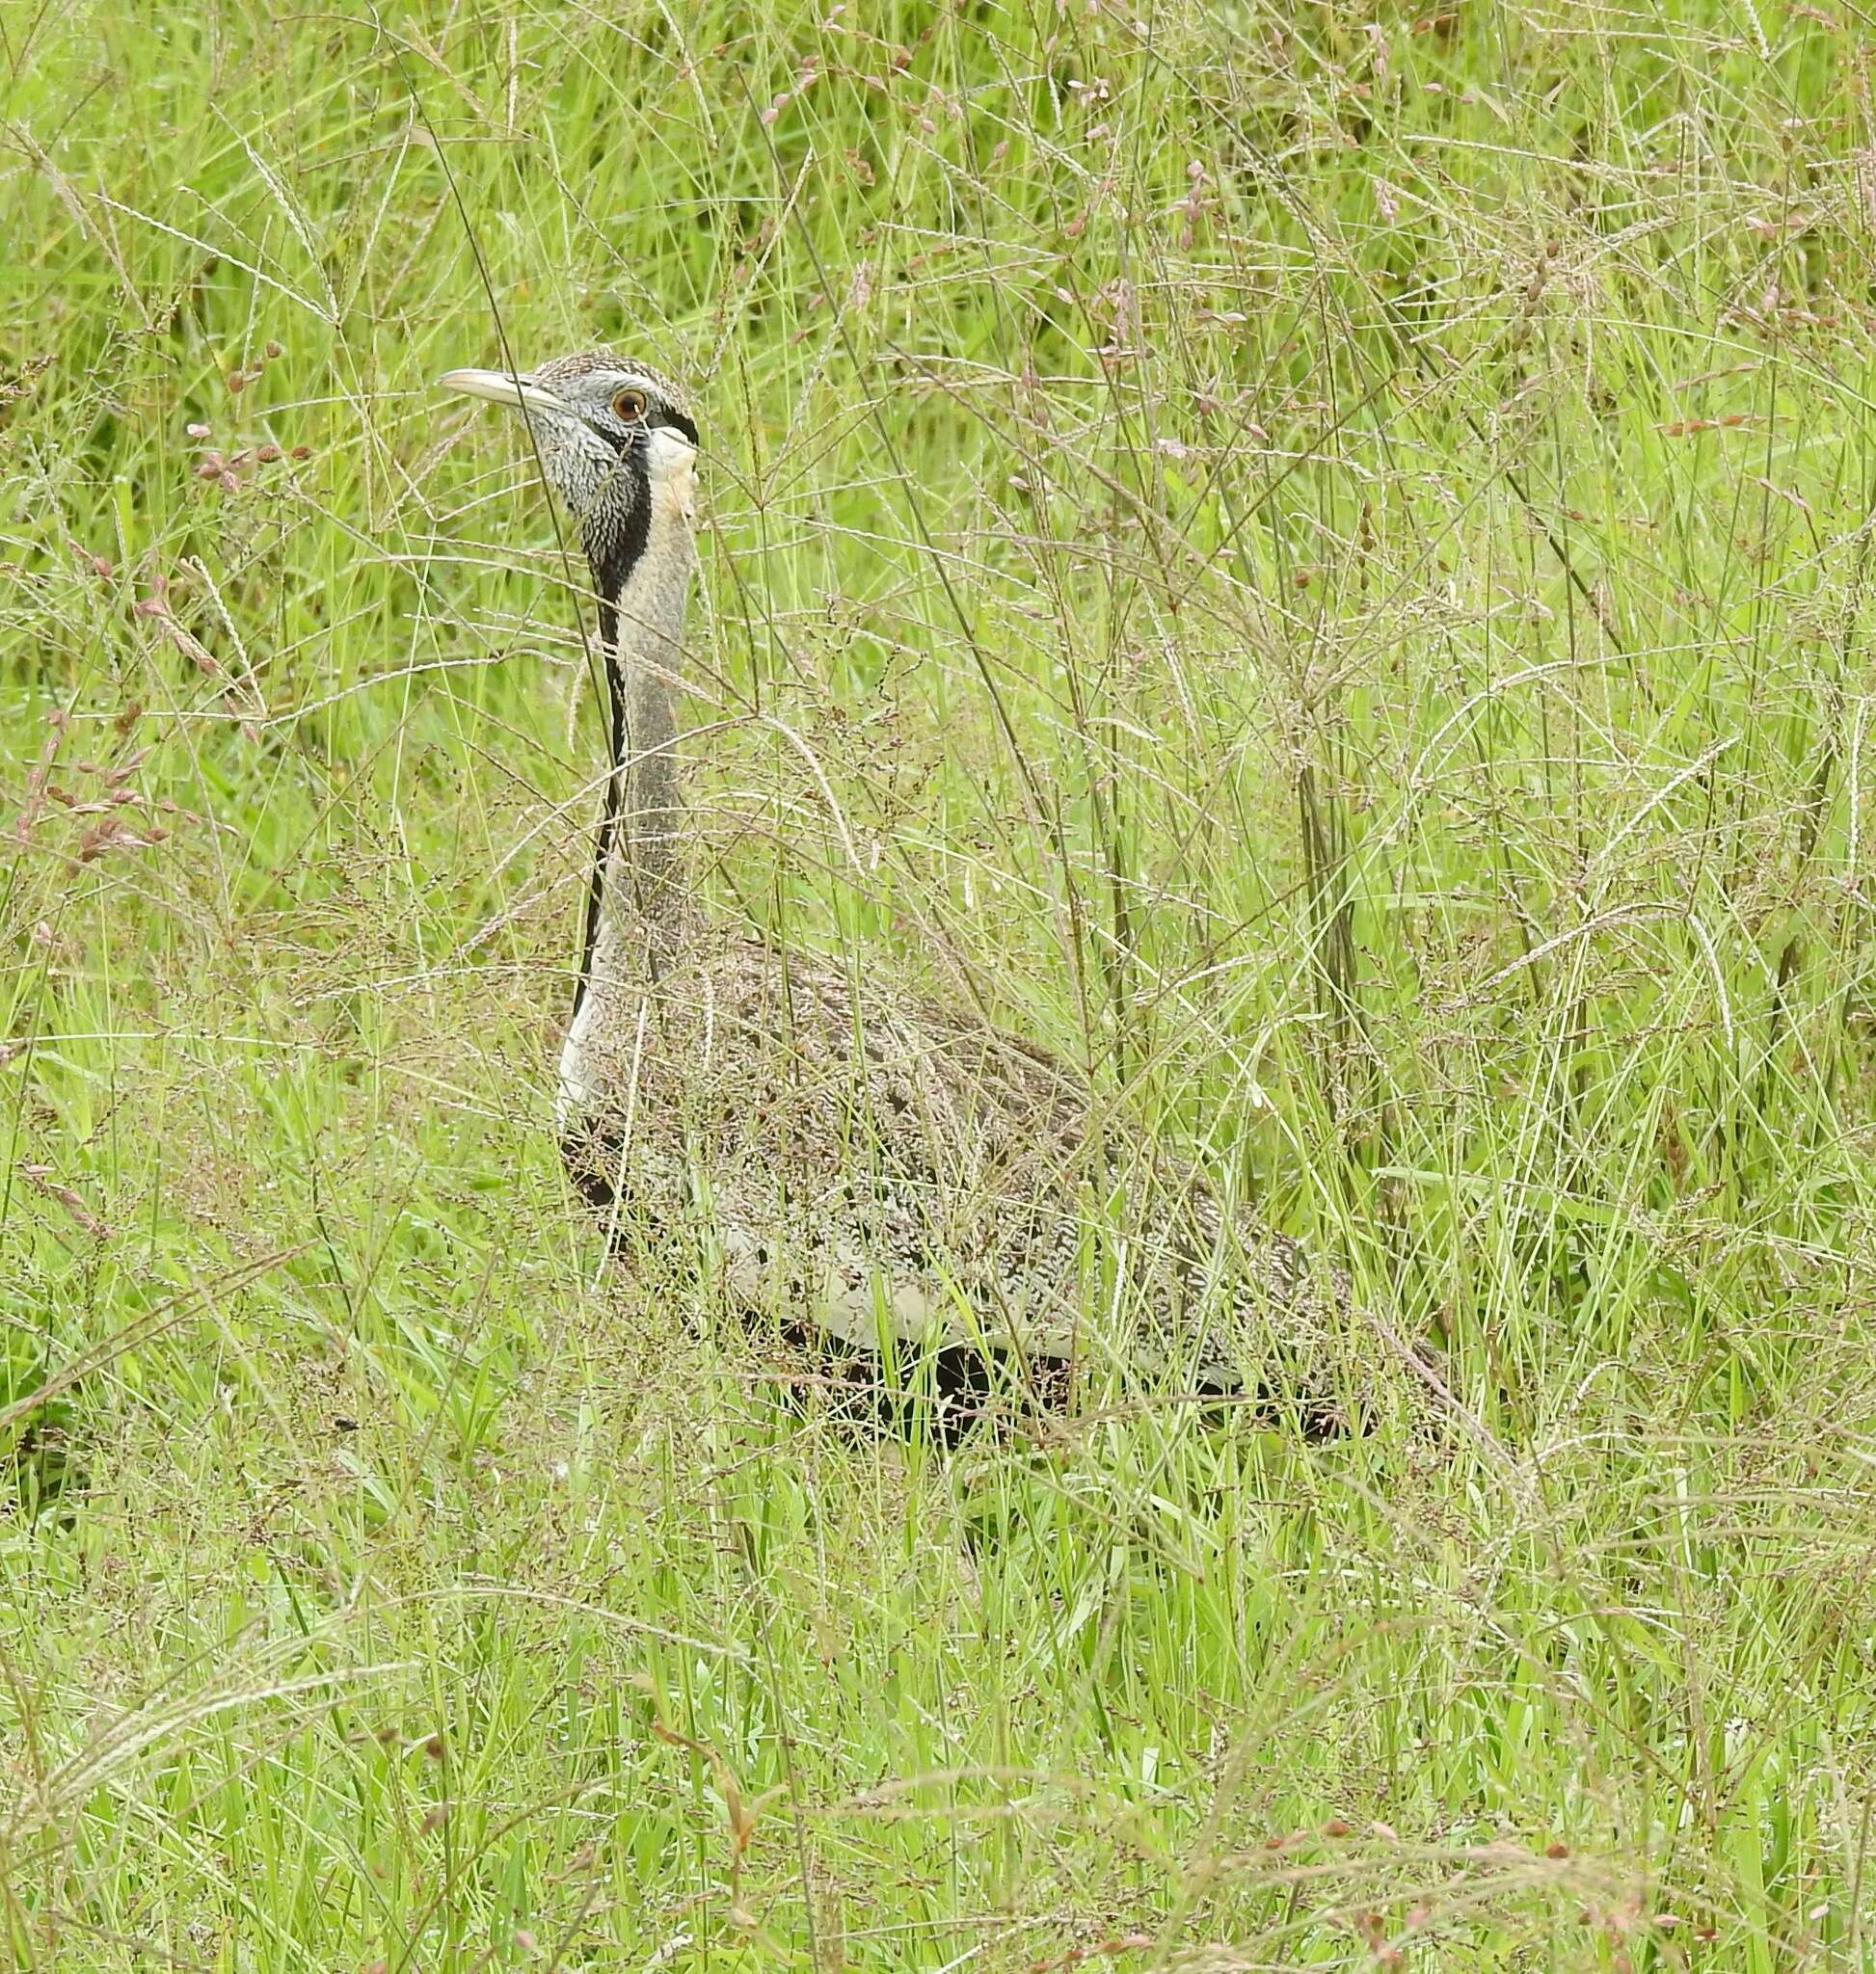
(628, 404)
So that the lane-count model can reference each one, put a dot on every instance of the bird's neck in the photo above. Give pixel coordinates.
(642, 574)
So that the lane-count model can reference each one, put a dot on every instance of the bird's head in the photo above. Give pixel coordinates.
(617, 441)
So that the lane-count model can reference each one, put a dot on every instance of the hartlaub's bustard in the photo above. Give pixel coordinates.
(872, 1174)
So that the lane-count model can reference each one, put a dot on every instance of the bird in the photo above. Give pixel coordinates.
(891, 1185)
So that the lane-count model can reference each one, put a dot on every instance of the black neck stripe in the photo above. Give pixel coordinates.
(614, 543)
(613, 555)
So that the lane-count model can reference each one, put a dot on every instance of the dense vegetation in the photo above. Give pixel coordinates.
(1317, 561)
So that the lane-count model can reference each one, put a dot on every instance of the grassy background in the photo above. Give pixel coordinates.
(1318, 560)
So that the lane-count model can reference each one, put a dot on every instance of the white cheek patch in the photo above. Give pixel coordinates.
(671, 462)
(682, 487)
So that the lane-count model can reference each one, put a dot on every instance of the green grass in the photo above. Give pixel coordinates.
(1321, 565)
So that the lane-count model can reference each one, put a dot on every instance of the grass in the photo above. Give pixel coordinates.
(1318, 562)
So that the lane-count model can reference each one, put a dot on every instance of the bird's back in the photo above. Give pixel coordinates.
(867, 1168)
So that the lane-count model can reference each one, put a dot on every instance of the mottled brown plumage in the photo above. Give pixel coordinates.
(890, 1174)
